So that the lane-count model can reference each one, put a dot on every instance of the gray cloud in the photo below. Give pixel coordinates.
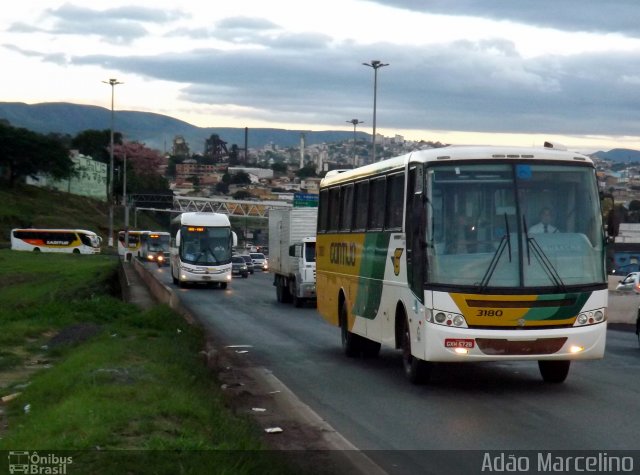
(611, 16)
(116, 25)
(483, 86)
(467, 86)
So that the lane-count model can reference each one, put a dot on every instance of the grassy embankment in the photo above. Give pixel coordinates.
(93, 375)
(30, 206)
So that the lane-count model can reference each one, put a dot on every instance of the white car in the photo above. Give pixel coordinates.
(259, 261)
(631, 283)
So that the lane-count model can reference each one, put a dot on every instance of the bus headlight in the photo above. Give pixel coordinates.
(450, 319)
(590, 318)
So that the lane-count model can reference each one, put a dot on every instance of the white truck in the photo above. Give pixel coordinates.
(292, 253)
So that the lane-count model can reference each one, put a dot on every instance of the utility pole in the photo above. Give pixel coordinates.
(355, 122)
(113, 83)
(375, 64)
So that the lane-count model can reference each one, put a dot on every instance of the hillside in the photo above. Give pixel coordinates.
(155, 130)
(26, 206)
(619, 155)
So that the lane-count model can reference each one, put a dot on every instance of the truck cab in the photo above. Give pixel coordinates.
(303, 258)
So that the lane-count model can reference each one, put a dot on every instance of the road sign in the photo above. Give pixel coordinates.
(301, 200)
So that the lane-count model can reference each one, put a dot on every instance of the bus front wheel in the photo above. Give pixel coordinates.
(554, 371)
(416, 371)
(351, 343)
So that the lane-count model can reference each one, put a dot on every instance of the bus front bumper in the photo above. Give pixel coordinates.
(442, 343)
(204, 277)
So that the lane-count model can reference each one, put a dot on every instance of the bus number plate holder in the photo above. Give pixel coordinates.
(459, 343)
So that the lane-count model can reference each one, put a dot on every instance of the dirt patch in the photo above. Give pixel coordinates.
(74, 335)
(287, 425)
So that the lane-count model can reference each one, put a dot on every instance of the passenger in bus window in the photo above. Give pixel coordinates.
(462, 236)
(544, 226)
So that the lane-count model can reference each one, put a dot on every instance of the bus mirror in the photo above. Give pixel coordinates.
(178, 239)
(234, 238)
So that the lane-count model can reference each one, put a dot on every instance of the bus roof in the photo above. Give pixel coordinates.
(444, 154)
(58, 230)
(203, 219)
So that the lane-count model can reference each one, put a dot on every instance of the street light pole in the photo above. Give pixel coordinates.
(375, 64)
(112, 83)
(354, 122)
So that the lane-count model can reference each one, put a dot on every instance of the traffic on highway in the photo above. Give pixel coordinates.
(497, 407)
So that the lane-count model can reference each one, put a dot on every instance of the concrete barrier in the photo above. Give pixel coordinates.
(160, 292)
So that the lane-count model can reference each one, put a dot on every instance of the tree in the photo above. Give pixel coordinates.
(25, 153)
(242, 195)
(240, 178)
(279, 168)
(143, 168)
(306, 172)
(96, 143)
(222, 188)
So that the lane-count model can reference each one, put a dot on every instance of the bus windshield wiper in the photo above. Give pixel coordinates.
(505, 242)
(542, 259)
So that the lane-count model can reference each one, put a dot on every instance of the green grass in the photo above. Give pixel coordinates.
(136, 385)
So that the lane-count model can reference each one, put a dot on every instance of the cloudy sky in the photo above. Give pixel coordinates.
(460, 71)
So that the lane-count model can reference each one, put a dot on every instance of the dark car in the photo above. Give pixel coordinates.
(249, 262)
(239, 267)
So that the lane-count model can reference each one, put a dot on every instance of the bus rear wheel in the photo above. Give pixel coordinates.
(416, 371)
(554, 371)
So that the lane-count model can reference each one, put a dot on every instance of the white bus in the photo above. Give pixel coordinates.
(134, 249)
(155, 244)
(201, 249)
(435, 253)
(77, 241)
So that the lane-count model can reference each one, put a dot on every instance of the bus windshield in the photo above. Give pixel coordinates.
(158, 243)
(203, 245)
(513, 226)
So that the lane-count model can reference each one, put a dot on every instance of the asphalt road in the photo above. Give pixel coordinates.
(481, 407)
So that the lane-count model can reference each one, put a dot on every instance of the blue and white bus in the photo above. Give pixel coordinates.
(201, 248)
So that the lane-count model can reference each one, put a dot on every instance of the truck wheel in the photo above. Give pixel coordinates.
(286, 295)
(297, 301)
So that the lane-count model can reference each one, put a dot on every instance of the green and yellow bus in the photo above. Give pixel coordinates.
(437, 253)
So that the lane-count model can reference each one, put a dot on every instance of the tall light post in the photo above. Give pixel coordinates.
(355, 122)
(375, 64)
(113, 83)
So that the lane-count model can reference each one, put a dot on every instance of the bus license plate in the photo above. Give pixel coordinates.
(206, 277)
(458, 343)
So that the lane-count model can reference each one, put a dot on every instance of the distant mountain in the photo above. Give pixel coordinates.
(155, 130)
(619, 155)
